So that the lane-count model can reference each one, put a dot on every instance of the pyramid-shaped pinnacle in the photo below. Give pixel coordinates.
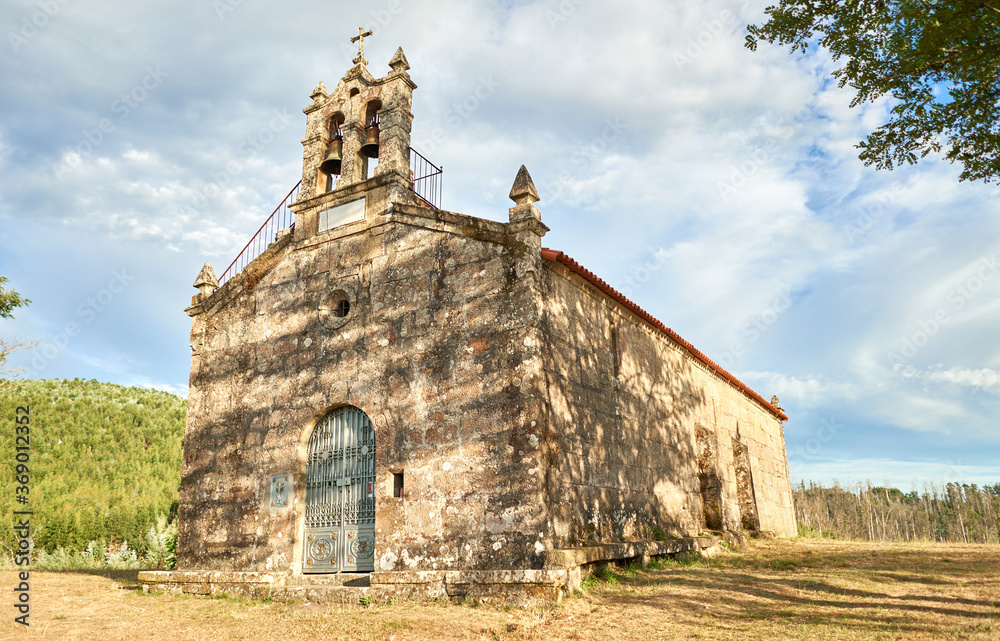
(399, 61)
(319, 92)
(523, 191)
(206, 278)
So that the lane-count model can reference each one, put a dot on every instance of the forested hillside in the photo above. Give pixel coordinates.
(954, 512)
(105, 461)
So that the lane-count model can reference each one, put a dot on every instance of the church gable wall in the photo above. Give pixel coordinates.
(437, 350)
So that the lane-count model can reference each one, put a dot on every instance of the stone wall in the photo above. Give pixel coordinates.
(627, 404)
(440, 350)
(527, 410)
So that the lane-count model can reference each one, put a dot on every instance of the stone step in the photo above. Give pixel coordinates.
(347, 579)
(319, 588)
(340, 594)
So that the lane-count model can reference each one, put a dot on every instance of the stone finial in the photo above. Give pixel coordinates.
(523, 191)
(524, 195)
(399, 62)
(206, 282)
(319, 92)
(775, 403)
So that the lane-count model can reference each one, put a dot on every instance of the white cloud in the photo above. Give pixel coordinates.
(733, 184)
(807, 391)
(177, 390)
(984, 379)
(901, 474)
(905, 475)
(112, 363)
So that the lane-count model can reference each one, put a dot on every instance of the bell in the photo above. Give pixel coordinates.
(331, 164)
(370, 148)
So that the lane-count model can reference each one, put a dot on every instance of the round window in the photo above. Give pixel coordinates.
(335, 308)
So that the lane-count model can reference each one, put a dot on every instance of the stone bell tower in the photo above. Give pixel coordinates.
(356, 159)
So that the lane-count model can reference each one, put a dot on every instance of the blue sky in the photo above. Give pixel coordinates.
(719, 189)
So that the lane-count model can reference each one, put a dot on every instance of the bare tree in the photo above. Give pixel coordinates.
(8, 347)
(9, 301)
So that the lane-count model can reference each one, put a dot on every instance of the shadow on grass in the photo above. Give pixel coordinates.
(798, 588)
(128, 579)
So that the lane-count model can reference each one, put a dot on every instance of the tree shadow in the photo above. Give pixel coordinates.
(127, 579)
(766, 598)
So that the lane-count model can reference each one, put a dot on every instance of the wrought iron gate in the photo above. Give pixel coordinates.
(340, 494)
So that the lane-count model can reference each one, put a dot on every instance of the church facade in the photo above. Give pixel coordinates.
(438, 404)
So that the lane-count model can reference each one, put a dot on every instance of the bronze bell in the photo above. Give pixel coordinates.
(370, 148)
(331, 164)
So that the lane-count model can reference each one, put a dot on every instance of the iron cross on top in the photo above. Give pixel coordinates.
(360, 39)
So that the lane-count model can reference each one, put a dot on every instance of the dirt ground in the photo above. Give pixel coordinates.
(777, 589)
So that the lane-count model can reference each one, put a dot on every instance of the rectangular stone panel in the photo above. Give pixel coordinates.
(342, 214)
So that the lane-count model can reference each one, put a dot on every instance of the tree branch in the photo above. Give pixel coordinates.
(8, 347)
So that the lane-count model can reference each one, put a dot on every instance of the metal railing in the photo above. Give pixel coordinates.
(426, 179)
(426, 185)
(281, 218)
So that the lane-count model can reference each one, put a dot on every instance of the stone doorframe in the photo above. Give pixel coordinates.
(383, 434)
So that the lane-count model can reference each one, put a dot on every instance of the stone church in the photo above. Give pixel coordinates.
(403, 400)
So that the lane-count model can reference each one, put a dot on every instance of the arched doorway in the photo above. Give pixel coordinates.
(340, 494)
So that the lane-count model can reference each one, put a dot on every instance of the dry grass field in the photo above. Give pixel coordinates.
(798, 589)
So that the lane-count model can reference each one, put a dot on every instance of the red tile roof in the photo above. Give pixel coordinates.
(577, 268)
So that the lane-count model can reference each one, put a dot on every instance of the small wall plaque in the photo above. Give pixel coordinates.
(281, 490)
(341, 215)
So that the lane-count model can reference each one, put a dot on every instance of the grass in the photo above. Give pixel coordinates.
(774, 589)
